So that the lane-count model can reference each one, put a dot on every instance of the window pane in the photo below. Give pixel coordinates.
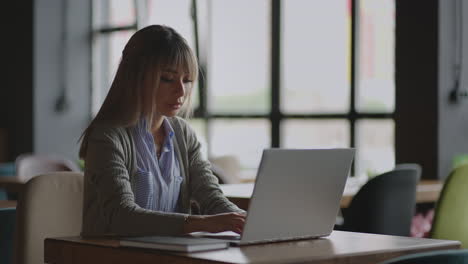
(244, 139)
(315, 56)
(107, 52)
(301, 133)
(376, 84)
(100, 79)
(375, 146)
(175, 14)
(122, 13)
(113, 13)
(239, 60)
(199, 126)
(195, 97)
(117, 43)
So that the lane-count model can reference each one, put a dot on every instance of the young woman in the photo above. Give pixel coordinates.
(143, 163)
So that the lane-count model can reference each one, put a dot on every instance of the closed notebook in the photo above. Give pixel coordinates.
(182, 244)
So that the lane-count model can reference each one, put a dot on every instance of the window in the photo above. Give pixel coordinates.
(114, 22)
(294, 74)
(375, 87)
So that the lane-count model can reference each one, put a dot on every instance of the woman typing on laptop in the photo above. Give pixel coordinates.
(142, 163)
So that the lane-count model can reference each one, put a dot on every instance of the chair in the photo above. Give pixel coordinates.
(30, 165)
(413, 166)
(384, 205)
(50, 206)
(457, 256)
(451, 212)
(226, 169)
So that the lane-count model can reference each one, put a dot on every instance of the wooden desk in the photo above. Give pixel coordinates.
(11, 184)
(8, 204)
(339, 247)
(427, 191)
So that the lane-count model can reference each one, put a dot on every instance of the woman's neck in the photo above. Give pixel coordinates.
(157, 124)
(158, 133)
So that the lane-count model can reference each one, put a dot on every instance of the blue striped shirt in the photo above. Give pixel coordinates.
(158, 181)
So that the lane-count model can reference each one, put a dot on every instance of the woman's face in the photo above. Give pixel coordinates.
(174, 87)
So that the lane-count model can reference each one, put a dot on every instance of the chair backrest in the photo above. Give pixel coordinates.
(414, 166)
(226, 168)
(50, 206)
(385, 204)
(30, 165)
(455, 256)
(451, 213)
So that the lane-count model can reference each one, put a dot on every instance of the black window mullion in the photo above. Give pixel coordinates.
(275, 115)
(201, 110)
(106, 30)
(353, 116)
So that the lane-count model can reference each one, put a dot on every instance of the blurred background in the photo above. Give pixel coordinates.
(375, 75)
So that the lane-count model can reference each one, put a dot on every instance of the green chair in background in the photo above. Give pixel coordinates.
(456, 256)
(451, 213)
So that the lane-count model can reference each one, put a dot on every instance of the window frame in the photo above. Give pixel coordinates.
(275, 116)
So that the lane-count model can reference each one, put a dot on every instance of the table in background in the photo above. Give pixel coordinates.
(11, 184)
(8, 203)
(339, 247)
(427, 191)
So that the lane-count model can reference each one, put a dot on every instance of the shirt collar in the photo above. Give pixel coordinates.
(168, 128)
(143, 125)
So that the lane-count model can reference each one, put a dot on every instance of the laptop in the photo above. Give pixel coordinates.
(297, 195)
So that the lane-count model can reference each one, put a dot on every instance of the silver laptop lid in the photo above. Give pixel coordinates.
(297, 194)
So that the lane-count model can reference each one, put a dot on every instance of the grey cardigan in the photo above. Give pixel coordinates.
(109, 207)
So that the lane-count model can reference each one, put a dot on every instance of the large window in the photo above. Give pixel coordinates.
(293, 74)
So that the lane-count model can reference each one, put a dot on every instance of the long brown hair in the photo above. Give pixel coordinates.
(132, 95)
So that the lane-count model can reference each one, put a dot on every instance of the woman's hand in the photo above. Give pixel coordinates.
(215, 223)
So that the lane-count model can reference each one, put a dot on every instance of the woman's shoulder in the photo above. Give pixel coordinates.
(178, 120)
(102, 131)
(182, 128)
(180, 123)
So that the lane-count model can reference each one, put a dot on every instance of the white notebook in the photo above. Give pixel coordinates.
(181, 244)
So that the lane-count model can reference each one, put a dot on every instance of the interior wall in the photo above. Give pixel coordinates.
(57, 131)
(416, 79)
(453, 117)
(16, 91)
(431, 130)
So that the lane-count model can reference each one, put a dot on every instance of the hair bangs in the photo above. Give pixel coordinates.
(181, 58)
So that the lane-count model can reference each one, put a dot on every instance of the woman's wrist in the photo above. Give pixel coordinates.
(193, 223)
